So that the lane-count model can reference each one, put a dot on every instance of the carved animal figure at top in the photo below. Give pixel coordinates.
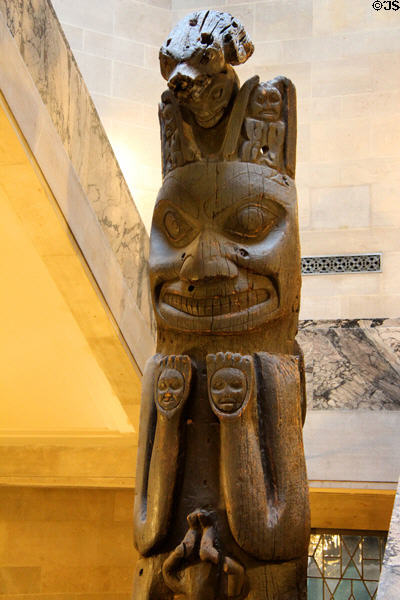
(196, 61)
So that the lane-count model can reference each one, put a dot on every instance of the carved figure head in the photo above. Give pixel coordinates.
(224, 253)
(265, 102)
(228, 389)
(196, 59)
(170, 388)
(208, 107)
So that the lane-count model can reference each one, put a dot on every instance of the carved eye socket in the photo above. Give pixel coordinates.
(175, 383)
(251, 221)
(274, 97)
(236, 384)
(175, 226)
(217, 93)
(218, 384)
(162, 385)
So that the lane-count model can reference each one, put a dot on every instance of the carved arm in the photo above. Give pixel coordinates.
(166, 385)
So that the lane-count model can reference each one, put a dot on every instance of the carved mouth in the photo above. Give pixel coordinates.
(220, 312)
(211, 307)
(268, 114)
(168, 403)
(227, 406)
(208, 120)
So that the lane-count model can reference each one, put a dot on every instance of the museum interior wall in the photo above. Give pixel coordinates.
(344, 61)
(77, 315)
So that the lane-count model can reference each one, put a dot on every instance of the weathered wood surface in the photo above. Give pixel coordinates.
(221, 506)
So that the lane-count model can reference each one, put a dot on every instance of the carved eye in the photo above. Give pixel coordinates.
(274, 97)
(218, 384)
(175, 226)
(260, 98)
(236, 384)
(217, 93)
(162, 384)
(175, 383)
(251, 221)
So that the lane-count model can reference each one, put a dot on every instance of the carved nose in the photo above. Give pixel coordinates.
(206, 260)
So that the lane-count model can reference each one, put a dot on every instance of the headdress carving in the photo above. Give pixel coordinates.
(205, 116)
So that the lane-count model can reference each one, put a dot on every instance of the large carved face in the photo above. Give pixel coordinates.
(224, 248)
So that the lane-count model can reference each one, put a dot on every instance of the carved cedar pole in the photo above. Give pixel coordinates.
(221, 507)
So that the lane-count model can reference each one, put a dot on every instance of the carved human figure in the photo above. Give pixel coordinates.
(264, 129)
(221, 507)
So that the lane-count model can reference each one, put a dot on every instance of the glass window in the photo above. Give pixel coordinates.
(344, 566)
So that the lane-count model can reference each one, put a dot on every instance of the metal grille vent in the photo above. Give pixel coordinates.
(350, 263)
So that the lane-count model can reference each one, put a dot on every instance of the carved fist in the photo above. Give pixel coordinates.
(230, 382)
(173, 383)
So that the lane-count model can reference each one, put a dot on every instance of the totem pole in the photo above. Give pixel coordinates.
(221, 507)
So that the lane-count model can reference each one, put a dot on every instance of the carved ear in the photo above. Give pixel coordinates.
(289, 116)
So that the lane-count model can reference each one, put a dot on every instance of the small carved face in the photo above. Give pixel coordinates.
(170, 388)
(208, 107)
(228, 389)
(265, 103)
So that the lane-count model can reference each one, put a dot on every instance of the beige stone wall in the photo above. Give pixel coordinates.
(345, 61)
(116, 43)
(66, 544)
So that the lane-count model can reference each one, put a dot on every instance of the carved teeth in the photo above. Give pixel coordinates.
(218, 305)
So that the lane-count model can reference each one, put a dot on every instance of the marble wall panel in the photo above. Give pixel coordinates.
(352, 364)
(52, 67)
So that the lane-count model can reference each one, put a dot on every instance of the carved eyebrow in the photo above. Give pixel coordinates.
(166, 203)
(272, 204)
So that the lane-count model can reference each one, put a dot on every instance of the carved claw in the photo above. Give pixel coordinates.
(235, 573)
(171, 566)
(172, 384)
(208, 551)
(231, 380)
(201, 527)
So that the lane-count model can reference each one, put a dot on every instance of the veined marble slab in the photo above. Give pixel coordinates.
(352, 364)
(389, 582)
